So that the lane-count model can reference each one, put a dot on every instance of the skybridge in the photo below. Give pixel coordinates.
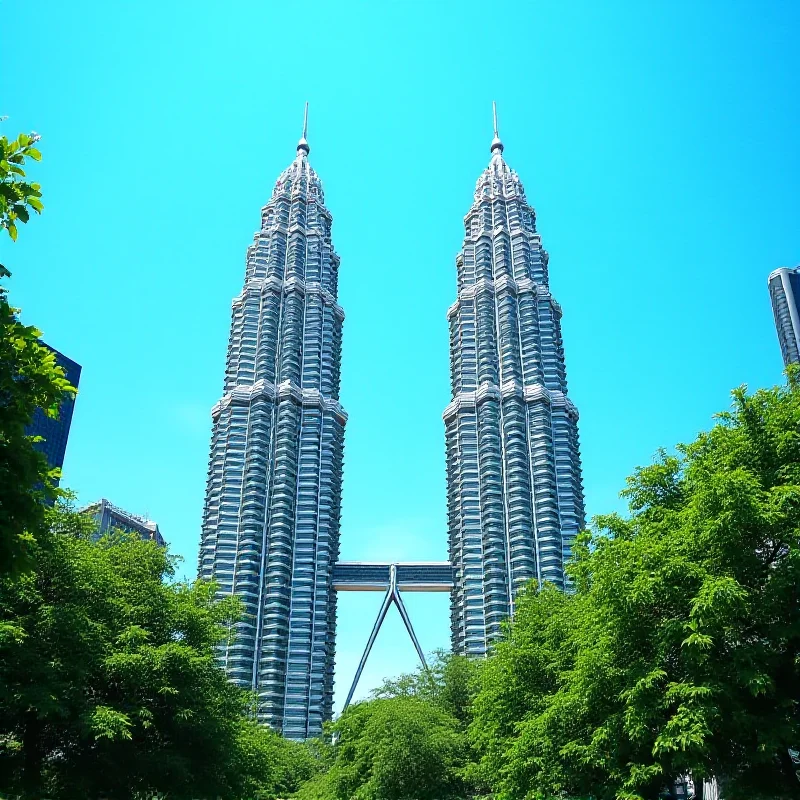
(375, 576)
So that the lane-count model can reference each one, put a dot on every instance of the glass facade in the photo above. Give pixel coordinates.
(55, 431)
(270, 530)
(784, 292)
(514, 490)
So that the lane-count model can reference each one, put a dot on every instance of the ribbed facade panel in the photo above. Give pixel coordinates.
(271, 518)
(514, 496)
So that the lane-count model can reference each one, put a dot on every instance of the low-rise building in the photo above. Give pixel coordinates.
(110, 517)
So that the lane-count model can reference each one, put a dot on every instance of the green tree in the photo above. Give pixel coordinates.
(450, 683)
(409, 741)
(108, 681)
(678, 651)
(269, 767)
(404, 748)
(18, 195)
(29, 379)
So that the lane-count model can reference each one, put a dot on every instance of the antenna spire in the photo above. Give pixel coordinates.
(497, 145)
(303, 144)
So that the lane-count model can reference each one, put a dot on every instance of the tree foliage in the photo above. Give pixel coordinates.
(17, 194)
(449, 683)
(29, 378)
(404, 748)
(108, 681)
(408, 742)
(678, 651)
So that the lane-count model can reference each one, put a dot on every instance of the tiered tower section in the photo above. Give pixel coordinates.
(515, 498)
(271, 518)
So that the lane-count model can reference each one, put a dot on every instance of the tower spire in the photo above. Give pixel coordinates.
(496, 143)
(303, 144)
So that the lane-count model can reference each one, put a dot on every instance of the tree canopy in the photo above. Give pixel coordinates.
(29, 379)
(109, 687)
(677, 653)
(408, 742)
(449, 683)
(17, 194)
(404, 748)
(108, 682)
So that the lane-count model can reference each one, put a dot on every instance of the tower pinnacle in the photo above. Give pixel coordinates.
(496, 143)
(303, 144)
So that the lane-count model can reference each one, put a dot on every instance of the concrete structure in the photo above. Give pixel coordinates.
(55, 432)
(110, 517)
(514, 491)
(270, 529)
(784, 292)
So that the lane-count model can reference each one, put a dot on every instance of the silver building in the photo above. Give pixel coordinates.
(784, 292)
(514, 491)
(271, 518)
(110, 518)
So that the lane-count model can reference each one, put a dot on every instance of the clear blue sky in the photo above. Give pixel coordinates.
(658, 142)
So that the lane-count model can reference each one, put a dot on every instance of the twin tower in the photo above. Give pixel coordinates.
(271, 518)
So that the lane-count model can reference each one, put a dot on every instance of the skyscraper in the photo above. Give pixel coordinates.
(271, 518)
(514, 492)
(784, 292)
(55, 431)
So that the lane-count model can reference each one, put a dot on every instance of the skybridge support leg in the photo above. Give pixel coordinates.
(392, 596)
(387, 601)
(409, 627)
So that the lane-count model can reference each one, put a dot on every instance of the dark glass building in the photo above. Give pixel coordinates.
(784, 292)
(55, 432)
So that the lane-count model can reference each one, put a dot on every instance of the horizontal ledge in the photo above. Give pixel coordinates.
(441, 564)
(357, 586)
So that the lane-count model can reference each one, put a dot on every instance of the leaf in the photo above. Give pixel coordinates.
(108, 723)
(700, 640)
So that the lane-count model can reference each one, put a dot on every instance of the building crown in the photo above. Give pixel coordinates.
(300, 172)
(498, 179)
